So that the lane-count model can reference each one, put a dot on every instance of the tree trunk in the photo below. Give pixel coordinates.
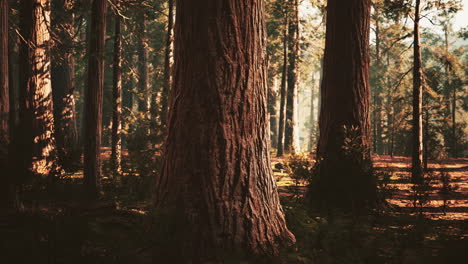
(63, 85)
(272, 97)
(216, 173)
(6, 186)
(116, 155)
(93, 100)
(4, 82)
(417, 131)
(344, 177)
(167, 63)
(142, 66)
(291, 105)
(283, 90)
(36, 151)
(312, 115)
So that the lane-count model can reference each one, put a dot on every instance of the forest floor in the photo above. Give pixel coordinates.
(120, 227)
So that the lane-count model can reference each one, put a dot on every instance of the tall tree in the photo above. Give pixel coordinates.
(36, 151)
(167, 62)
(6, 184)
(216, 174)
(116, 155)
(93, 99)
(417, 129)
(143, 80)
(283, 89)
(291, 105)
(63, 83)
(344, 177)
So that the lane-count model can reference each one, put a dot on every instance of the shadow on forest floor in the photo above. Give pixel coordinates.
(120, 228)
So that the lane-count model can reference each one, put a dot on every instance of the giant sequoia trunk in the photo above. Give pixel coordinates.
(36, 151)
(167, 63)
(216, 173)
(344, 177)
(93, 100)
(291, 106)
(116, 155)
(417, 153)
(63, 84)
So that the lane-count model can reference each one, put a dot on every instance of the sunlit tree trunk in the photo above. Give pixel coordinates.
(216, 174)
(116, 155)
(291, 105)
(344, 176)
(272, 97)
(312, 115)
(63, 84)
(167, 62)
(417, 130)
(142, 66)
(36, 151)
(93, 100)
(283, 90)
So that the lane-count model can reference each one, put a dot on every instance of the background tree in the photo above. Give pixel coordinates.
(217, 174)
(343, 172)
(116, 155)
(36, 151)
(63, 83)
(293, 58)
(93, 100)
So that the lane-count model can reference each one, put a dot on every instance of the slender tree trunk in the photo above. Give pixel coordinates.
(116, 155)
(344, 177)
(272, 97)
(291, 106)
(312, 115)
(93, 100)
(4, 82)
(6, 186)
(63, 85)
(167, 62)
(142, 66)
(454, 123)
(36, 151)
(283, 90)
(417, 131)
(216, 174)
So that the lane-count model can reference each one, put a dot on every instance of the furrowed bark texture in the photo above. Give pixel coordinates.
(217, 174)
(63, 84)
(93, 100)
(417, 131)
(344, 143)
(36, 152)
(116, 155)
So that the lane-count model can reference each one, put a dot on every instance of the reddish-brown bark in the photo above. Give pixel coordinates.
(344, 178)
(36, 151)
(216, 174)
(93, 100)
